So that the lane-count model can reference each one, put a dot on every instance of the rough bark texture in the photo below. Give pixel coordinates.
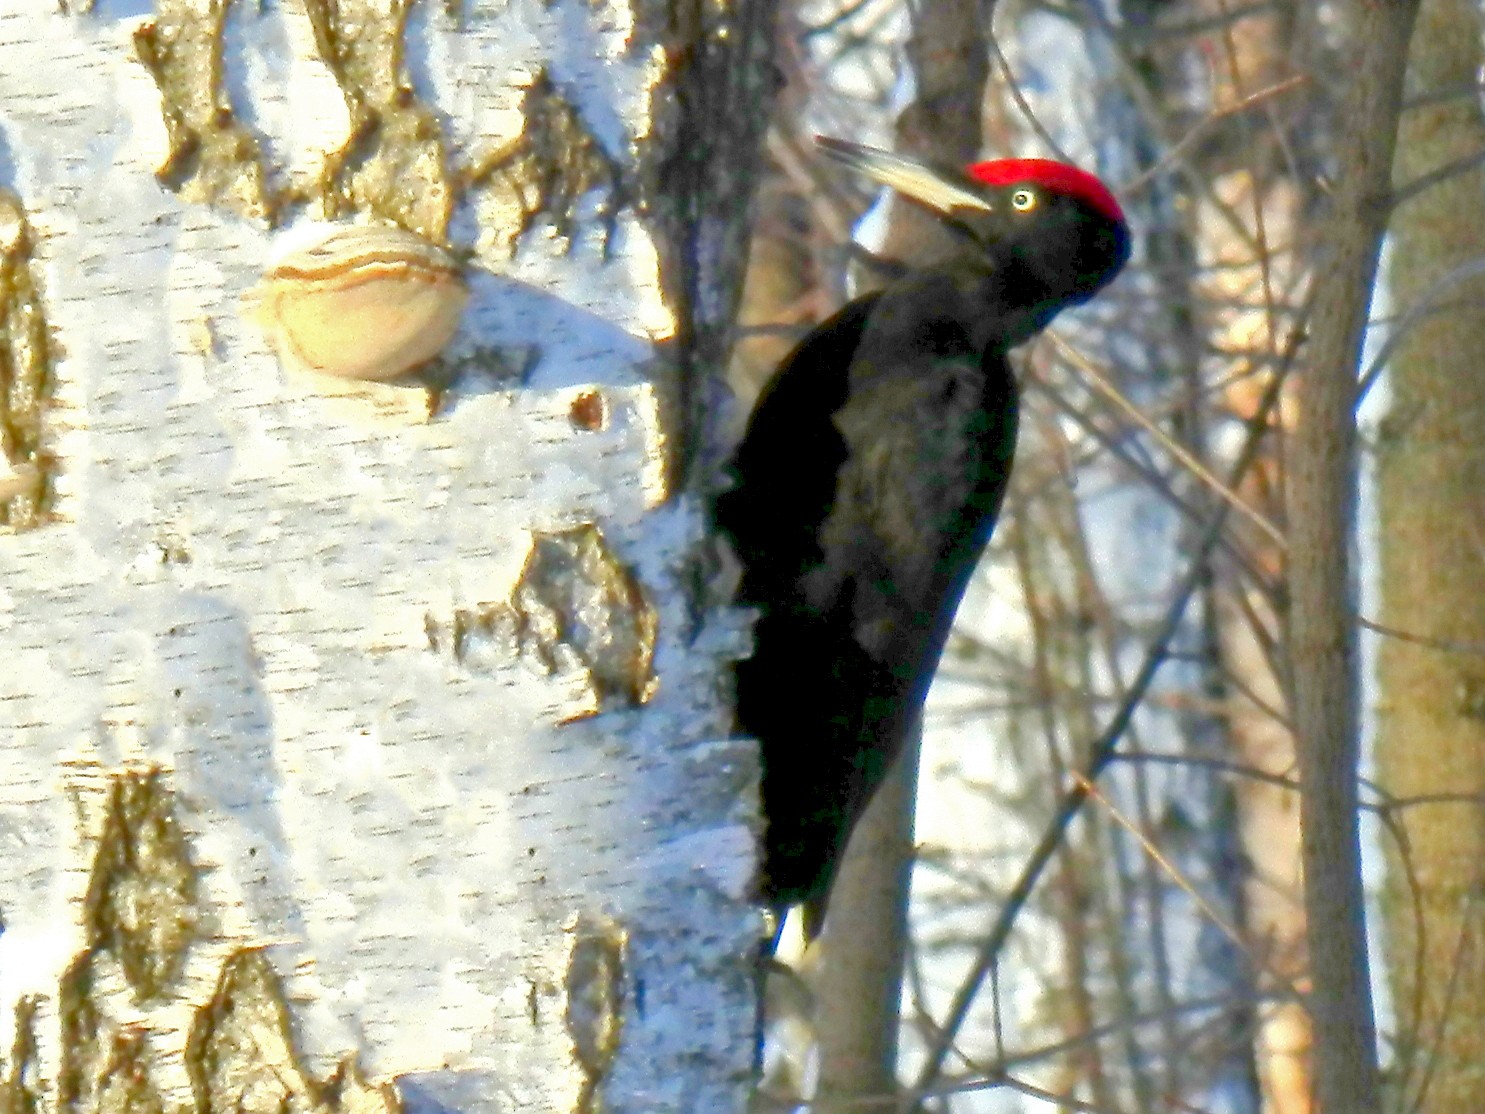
(1321, 502)
(1431, 471)
(364, 742)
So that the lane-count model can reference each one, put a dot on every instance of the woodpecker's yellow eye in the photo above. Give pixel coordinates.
(1023, 200)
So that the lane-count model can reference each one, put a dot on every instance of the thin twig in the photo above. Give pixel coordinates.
(1405, 193)
(1448, 645)
(1100, 755)
(1243, 104)
(1101, 384)
(1020, 98)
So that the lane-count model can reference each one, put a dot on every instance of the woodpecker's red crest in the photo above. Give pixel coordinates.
(1050, 174)
(1054, 231)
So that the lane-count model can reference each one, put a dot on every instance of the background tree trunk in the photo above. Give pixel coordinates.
(1431, 472)
(363, 734)
(859, 978)
(857, 975)
(1321, 492)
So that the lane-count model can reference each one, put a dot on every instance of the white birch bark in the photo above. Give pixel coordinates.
(359, 734)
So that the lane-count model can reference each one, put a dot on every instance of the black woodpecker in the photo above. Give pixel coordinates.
(869, 478)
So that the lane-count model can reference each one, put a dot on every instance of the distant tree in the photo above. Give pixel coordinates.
(1431, 537)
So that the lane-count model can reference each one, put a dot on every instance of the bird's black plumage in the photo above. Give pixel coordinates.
(868, 483)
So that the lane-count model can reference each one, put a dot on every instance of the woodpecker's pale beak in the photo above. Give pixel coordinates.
(920, 181)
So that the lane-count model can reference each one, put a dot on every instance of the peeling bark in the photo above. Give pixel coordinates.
(348, 723)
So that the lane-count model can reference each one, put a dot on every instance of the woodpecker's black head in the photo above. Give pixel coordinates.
(1055, 229)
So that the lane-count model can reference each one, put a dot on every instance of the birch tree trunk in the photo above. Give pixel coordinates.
(364, 742)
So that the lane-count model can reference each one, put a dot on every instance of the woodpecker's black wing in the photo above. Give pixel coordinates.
(867, 484)
(784, 469)
(870, 478)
